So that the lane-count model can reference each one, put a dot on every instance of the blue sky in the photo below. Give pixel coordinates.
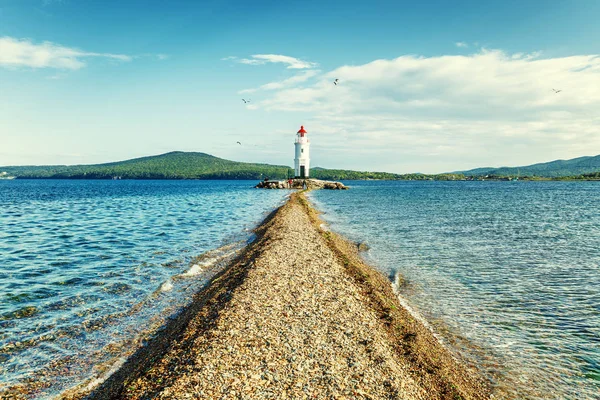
(424, 86)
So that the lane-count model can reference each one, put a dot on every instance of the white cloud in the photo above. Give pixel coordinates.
(261, 59)
(57, 76)
(24, 53)
(461, 44)
(289, 82)
(451, 112)
(306, 75)
(249, 61)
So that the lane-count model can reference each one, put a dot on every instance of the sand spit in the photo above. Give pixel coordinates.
(297, 315)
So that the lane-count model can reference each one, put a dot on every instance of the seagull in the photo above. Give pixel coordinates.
(239, 143)
(246, 101)
(336, 81)
(557, 91)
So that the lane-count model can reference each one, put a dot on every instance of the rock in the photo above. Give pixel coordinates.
(362, 246)
(334, 186)
(302, 184)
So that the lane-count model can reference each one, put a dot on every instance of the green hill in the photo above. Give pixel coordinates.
(184, 165)
(552, 169)
(174, 165)
(344, 174)
(181, 165)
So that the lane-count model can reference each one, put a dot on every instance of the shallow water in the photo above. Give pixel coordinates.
(507, 273)
(88, 269)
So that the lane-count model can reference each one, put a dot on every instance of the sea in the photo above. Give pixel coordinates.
(506, 274)
(90, 269)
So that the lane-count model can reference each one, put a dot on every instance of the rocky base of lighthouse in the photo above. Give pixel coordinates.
(302, 184)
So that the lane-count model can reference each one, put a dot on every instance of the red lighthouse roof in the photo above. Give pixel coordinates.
(302, 131)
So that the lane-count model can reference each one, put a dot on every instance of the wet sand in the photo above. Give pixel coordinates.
(296, 315)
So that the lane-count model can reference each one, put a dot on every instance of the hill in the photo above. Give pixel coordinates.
(180, 165)
(189, 165)
(553, 169)
(174, 165)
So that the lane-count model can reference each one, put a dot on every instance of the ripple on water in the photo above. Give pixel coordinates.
(17, 297)
(80, 262)
(23, 312)
(117, 288)
(514, 269)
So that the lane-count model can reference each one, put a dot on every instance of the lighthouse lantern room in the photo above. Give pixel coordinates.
(302, 160)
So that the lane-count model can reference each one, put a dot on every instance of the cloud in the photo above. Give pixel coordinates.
(154, 56)
(306, 75)
(451, 112)
(294, 80)
(262, 59)
(24, 53)
(461, 44)
(57, 76)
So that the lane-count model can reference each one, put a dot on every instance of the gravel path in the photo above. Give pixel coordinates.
(287, 321)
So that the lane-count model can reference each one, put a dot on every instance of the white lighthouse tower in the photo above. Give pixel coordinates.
(302, 160)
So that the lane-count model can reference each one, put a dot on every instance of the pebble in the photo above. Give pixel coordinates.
(298, 326)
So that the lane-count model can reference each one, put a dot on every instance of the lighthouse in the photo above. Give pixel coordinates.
(302, 160)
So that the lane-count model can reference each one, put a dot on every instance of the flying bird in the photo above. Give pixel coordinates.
(246, 101)
(239, 143)
(557, 91)
(335, 82)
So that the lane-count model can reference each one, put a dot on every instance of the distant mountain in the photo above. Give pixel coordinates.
(552, 169)
(187, 165)
(174, 165)
(180, 165)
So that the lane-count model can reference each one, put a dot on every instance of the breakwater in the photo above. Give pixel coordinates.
(313, 184)
(297, 314)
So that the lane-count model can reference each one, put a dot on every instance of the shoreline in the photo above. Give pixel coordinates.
(391, 341)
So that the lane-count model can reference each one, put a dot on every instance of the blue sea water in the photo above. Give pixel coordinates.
(506, 273)
(88, 269)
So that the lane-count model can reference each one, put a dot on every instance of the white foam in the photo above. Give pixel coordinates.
(167, 286)
(95, 382)
(404, 303)
(209, 261)
(193, 271)
(229, 253)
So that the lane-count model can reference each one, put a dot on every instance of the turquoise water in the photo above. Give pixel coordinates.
(506, 273)
(90, 268)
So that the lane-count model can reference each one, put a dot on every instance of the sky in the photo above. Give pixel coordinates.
(423, 86)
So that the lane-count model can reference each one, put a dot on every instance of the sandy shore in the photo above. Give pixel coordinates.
(297, 315)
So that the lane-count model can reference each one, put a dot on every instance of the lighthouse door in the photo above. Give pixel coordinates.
(302, 171)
